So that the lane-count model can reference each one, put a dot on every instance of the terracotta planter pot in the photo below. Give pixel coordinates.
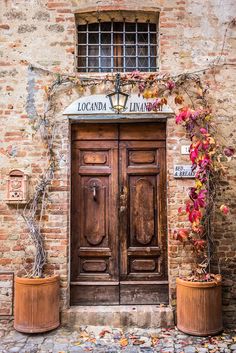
(36, 304)
(199, 307)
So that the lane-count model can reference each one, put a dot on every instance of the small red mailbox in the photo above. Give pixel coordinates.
(17, 187)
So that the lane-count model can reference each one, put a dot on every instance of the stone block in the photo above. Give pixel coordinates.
(6, 294)
(142, 316)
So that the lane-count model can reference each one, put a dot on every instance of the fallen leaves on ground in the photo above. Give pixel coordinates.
(133, 337)
(78, 343)
(123, 342)
(154, 340)
(84, 334)
(137, 342)
(103, 332)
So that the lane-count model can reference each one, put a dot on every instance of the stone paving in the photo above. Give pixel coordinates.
(110, 340)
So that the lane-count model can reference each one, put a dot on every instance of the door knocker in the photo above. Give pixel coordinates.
(94, 190)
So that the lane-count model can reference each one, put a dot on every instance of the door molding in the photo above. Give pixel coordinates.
(158, 287)
(120, 118)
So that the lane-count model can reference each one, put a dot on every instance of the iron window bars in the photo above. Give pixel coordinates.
(117, 46)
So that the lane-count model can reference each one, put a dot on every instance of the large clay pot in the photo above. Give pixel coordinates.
(199, 307)
(36, 304)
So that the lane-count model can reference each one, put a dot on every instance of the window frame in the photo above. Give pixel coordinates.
(117, 59)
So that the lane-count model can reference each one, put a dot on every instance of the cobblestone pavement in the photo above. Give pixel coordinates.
(108, 340)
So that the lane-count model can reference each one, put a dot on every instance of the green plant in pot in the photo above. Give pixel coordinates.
(36, 295)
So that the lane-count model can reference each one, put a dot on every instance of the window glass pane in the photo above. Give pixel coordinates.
(93, 38)
(118, 26)
(143, 62)
(105, 62)
(153, 27)
(105, 38)
(82, 61)
(82, 28)
(143, 69)
(93, 50)
(93, 27)
(105, 69)
(118, 69)
(106, 26)
(130, 27)
(142, 27)
(130, 38)
(82, 38)
(142, 38)
(143, 50)
(82, 50)
(106, 50)
(153, 38)
(118, 50)
(93, 61)
(130, 62)
(130, 50)
(118, 62)
(153, 50)
(153, 62)
(93, 69)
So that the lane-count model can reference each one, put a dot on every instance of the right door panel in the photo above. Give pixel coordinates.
(142, 222)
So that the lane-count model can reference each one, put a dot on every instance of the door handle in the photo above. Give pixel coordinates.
(94, 189)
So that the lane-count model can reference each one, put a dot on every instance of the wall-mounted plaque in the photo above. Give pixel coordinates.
(185, 149)
(99, 104)
(183, 171)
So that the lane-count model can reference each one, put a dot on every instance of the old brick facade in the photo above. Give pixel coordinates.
(193, 34)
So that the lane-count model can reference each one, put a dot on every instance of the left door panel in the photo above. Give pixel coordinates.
(94, 245)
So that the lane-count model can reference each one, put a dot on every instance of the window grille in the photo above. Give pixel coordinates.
(117, 46)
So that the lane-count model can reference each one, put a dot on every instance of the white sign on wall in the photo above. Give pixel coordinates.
(183, 171)
(185, 149)
(100, 104)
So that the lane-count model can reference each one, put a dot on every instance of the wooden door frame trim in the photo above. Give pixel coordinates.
(120, 118)
(112, 119)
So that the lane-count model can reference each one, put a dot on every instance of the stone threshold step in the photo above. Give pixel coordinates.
(141, 316)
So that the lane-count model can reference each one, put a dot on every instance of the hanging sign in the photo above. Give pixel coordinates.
(183, 171)
(99, 104)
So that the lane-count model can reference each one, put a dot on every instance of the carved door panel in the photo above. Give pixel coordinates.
(142, 218)
(94, 248)
(118, 247)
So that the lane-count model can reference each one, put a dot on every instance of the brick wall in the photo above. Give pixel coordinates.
(43, 33)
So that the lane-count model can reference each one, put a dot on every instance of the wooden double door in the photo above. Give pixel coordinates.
(118, 240)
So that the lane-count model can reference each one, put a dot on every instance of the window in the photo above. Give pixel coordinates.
(117, 46)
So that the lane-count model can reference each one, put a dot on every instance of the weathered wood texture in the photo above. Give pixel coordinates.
(118, 214)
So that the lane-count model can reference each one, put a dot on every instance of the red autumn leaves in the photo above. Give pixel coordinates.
(204, 155)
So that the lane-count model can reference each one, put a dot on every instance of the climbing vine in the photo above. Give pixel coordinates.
(193, 112)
